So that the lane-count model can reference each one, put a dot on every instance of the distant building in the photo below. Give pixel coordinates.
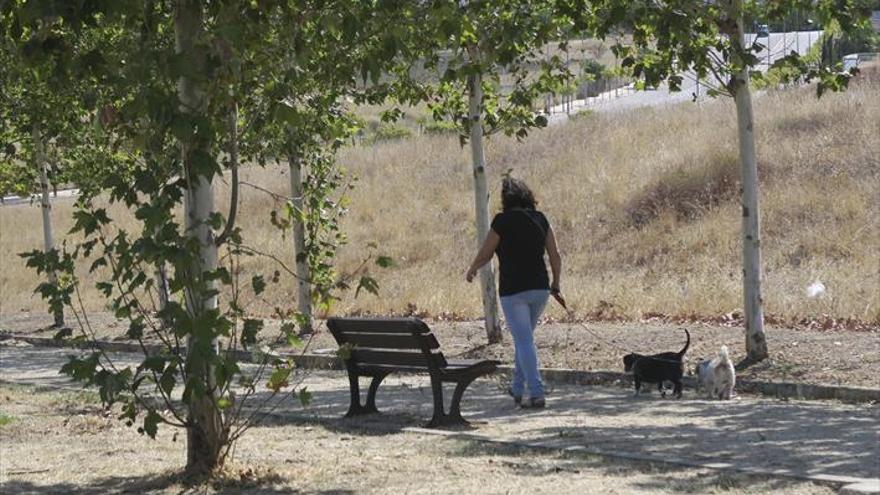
(875, 20)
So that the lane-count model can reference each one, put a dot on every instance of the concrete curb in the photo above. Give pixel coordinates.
(782, 390)
(861, 488)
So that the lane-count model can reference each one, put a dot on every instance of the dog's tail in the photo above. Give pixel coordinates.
(686, 344)
(724, 355)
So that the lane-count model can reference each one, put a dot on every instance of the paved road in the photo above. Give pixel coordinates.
(780, 45)
(768, 436)
(35, 198)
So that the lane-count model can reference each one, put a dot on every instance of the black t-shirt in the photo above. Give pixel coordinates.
(521, 250)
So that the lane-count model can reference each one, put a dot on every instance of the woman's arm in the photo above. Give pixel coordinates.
(484, 255)
(554, 258)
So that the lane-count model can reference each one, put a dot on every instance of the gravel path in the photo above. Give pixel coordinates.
(788, 438)
(320, 457)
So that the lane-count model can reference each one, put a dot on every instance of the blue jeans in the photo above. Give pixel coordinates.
(522, 311)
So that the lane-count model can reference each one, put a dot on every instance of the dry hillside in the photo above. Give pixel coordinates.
(644, 204)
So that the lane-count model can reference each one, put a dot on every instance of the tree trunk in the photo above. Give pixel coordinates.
(756, 343)
(304, 287)
(48, 240)
(206, 435)
(481, 201)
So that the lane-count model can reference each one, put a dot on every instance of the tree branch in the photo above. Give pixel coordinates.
(233, 165)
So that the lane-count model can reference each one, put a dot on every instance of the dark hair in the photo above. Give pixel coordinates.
(516, 194)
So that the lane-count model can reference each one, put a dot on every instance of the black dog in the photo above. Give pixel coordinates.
(657, 368)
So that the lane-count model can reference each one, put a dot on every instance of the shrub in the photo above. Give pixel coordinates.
(390, 132)
(435, 127)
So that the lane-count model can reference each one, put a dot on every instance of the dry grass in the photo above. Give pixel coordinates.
(644, 205)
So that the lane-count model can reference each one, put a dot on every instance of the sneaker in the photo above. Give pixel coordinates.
(517, 399)
(534, 404)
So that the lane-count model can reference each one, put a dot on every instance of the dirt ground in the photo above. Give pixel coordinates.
(834, 357)
(102, 455)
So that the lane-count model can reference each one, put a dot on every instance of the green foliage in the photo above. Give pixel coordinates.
(385, 261)
(344, 351)
(305, 397)
(390, 132)
(592, 69)
(439, 127)
(149, 100)
(368, 284)
(670, 38)
(487, 39)
(5, 419)
(582, 115)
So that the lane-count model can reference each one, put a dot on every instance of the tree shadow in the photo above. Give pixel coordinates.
(164, 483)
(658, 477)
(795, 438)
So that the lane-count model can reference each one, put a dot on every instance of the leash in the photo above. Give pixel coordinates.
(561, 300)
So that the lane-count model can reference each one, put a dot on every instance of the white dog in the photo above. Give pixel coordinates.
(716, 377)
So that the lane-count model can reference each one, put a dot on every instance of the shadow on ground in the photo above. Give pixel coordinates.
(694, 481)
(794, 438)
(161, 483)
(799, 438)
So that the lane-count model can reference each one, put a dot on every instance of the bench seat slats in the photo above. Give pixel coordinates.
(367, 357)
(391, 341)
(373, 325)
(449, 370)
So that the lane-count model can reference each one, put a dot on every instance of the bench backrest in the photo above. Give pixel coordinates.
(388, 341)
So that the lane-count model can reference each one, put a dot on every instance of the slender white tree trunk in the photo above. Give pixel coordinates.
(46, 206)
(756, 343)
(206, 436)
(481, 202)
(304, 287)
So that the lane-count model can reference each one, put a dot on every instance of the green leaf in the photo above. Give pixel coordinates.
(305, 397)
(151, 423)
(344, 352)
(249, 331)
(154, 363)
(369, 284)
(82, 369)
(288, 330)
(278, 379)
(259, 284)
(168, 379)
(136, 329)
(385, 261)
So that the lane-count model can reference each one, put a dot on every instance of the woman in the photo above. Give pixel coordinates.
(520, 235)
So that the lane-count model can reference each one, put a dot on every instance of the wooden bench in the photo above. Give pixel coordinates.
(380, 346)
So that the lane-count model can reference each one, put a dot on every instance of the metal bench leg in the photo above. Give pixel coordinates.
(439, 418)
(371, 394)
(354, 408)
(454, 408)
